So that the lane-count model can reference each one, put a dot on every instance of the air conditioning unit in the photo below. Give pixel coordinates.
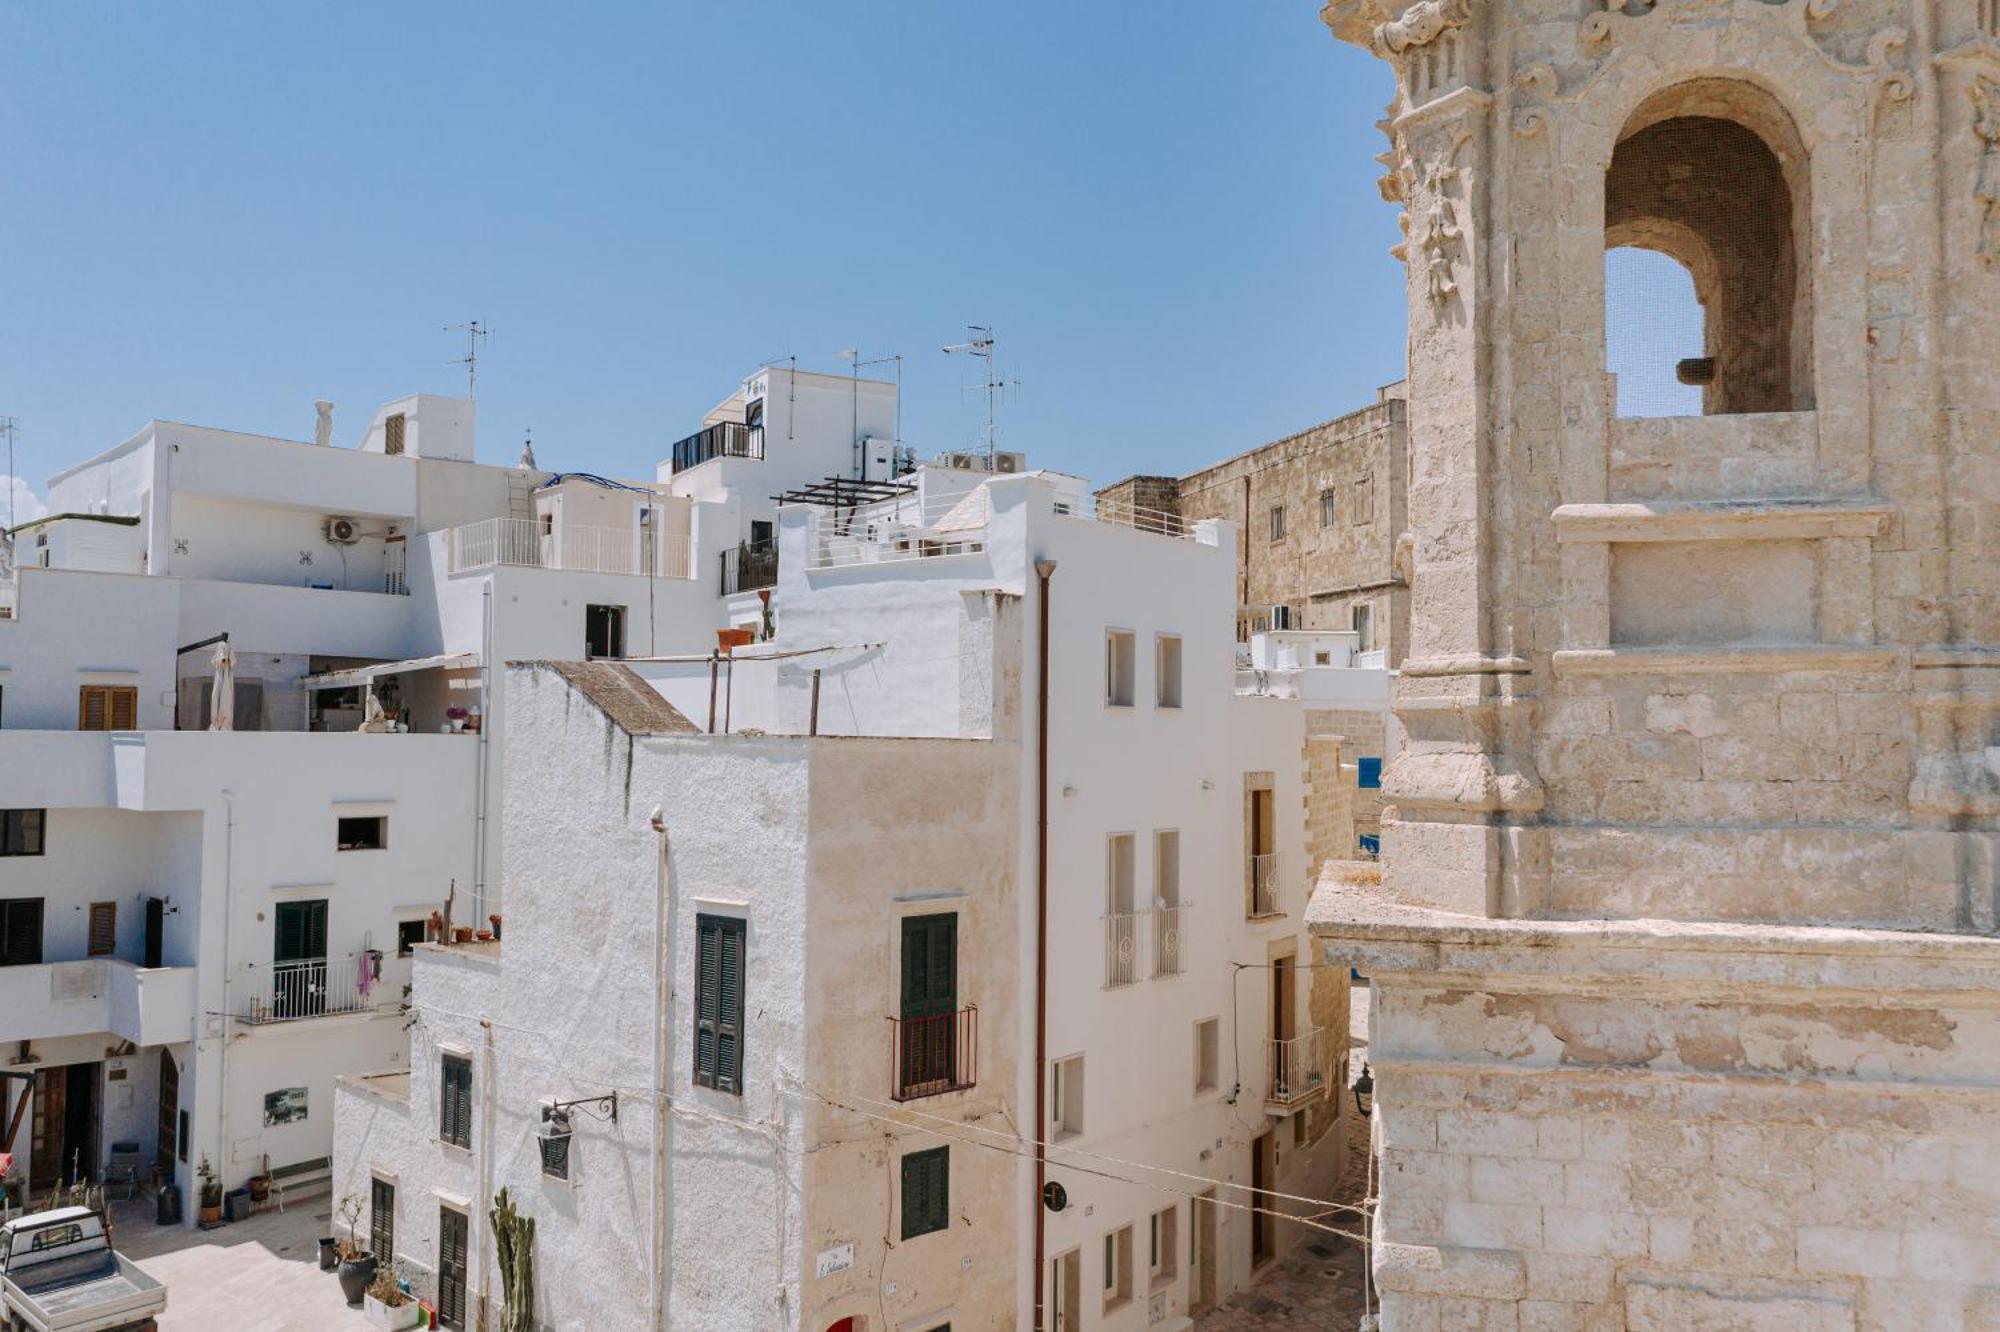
(1010, 462)
(342, 531)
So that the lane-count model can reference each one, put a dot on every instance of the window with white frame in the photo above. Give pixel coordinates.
(1066, 1098)
(1167, 670)
(1120, 667)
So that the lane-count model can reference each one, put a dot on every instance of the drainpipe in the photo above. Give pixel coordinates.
(228, 971)
(483, 755)
(480, 1224)
(1044, 570)
(662, 959)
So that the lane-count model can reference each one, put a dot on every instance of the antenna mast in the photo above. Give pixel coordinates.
(7, 424)
(980, 344)
(475, 332)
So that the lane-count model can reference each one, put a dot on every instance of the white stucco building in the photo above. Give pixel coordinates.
(845, 954)
(200, 928)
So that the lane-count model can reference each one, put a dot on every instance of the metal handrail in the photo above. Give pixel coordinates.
(1169, 940)
(748, 566)
(1264, 885)
(292, 991)
(1121, 947)
(725, 439)
(526, 543)
(1293, 1068)
(934, 1055)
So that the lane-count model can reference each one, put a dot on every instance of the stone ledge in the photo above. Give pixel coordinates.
(1425, 1269)
(1724, 660)
(1719, 520)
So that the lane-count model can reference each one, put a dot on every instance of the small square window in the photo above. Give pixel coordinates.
(1277, 522)
(1066, 1098)
(1207, 1054)
(21, 831)
(370, 833)
(1120, 667)
(1167, 670)
(410, 933)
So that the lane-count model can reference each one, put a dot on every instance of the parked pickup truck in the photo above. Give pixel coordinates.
(58, 1273)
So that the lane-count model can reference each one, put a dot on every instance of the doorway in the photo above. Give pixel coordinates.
(298, 960)
(63, 1148)
(166, 1143)
(1201, 1255)
(1263, 1226)
(929, 1005)
(156, 930)
(603, 631)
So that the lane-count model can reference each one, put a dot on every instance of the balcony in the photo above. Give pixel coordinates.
(902, 527)
(526, 543)
(934, 1055)
(750, 566)
(1121, 948)
(726, 440)
(1168, 940)
(144, 1005)
(1264, 887)
(296, 991)
(1292, 1066)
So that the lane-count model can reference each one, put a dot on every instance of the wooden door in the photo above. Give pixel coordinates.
(165, 1142)
(156, 931)
(452, 1228)
(45, 1166)
(1263, 1226)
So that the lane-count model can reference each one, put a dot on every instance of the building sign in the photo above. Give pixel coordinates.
(285, 1107)
(837, 1259)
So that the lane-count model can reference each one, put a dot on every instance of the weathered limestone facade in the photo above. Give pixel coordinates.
(1685, 961)
(1340, 487)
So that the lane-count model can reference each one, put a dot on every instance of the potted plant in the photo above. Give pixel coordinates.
(388, 1305)
(435, 933)
(483, 936)
(357, 1265)
(260, 1183)
(211, 1193)
(456, 717)
(495, 918)
(461, 934)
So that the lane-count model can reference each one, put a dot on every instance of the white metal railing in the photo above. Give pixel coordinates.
(1293, 1066)
(1372, 661)
(1168, 939)
(1121, 947)
(526, 543)
(10, 597)
(1120, 514)
(395, 567)
(1264, 885)
(292, 991)
(909, 527)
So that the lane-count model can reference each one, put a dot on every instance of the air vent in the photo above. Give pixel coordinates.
(342, 531)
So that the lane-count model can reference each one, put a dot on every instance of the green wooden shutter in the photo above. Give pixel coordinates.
(455, 1100)
(926, 1191)
(718, 1025)
(451, 1267)
(382, 1220)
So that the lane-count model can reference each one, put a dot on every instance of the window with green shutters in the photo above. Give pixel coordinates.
(926, 1191)
(382, 1220)
(718, 1011)
(451, 1267)
(455, 1100)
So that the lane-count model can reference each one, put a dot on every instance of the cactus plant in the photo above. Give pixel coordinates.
(514, 1237)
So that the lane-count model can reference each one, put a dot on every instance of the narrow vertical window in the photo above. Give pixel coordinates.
(1066, 1098)
(1277, 522)
(1329, 505)
(455, 1100)
(1120, 668)
(392, 433)
(1167, 670)
(452, 1247)
(103, 929)
(718, 1025)
(382, 1220)
(1207, 1054)
(20, 931)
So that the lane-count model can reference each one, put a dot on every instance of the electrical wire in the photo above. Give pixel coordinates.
(1054, 1147)
(1088, 1170)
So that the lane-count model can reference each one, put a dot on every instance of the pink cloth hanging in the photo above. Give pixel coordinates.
(366, 977)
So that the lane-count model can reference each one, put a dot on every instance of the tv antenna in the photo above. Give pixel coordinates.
(7, 425)
(856, 361)
(980, 344)
(475, 332)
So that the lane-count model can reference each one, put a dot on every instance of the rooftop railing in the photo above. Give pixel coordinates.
(908, 527)
(727, 439)
(528, 543)
(748, 566)
(1157, 521)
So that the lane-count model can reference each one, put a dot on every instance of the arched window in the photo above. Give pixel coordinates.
(1712, 176)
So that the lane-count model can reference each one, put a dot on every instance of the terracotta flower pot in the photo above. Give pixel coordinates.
(484, 936)
(461, 934)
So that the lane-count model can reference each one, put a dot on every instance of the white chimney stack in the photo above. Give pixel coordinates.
(323, 427)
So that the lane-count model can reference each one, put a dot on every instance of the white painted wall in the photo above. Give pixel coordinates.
(73, 629)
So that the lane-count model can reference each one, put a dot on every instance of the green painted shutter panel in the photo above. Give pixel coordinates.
(729, 1020)
(707, 998)
(382, 1220)
(926, 1191)
(451, 1268)
(455, 1101)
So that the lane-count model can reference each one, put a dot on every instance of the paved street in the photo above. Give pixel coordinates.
(260, 1274)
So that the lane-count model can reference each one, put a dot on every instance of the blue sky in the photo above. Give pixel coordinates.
(220, 212)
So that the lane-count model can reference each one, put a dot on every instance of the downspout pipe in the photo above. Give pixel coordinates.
(1044, 570)
(228, 970)
(662, 960)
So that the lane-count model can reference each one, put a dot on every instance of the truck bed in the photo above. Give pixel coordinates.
(101, 1290)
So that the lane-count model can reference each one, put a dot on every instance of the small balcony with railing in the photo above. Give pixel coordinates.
(750, 566)
(1264, 901)
(533, 543)
(1169, 939)
(934, 1055)
(725, 439)
(1293, 1068)
(299, 991)
(1122, 930)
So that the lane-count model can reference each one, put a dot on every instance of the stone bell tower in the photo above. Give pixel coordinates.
(1686, 948)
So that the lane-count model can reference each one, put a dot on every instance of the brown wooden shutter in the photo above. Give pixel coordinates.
(103, 929)
(107, 708)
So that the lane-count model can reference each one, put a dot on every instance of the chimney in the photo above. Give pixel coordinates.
(323, 426)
